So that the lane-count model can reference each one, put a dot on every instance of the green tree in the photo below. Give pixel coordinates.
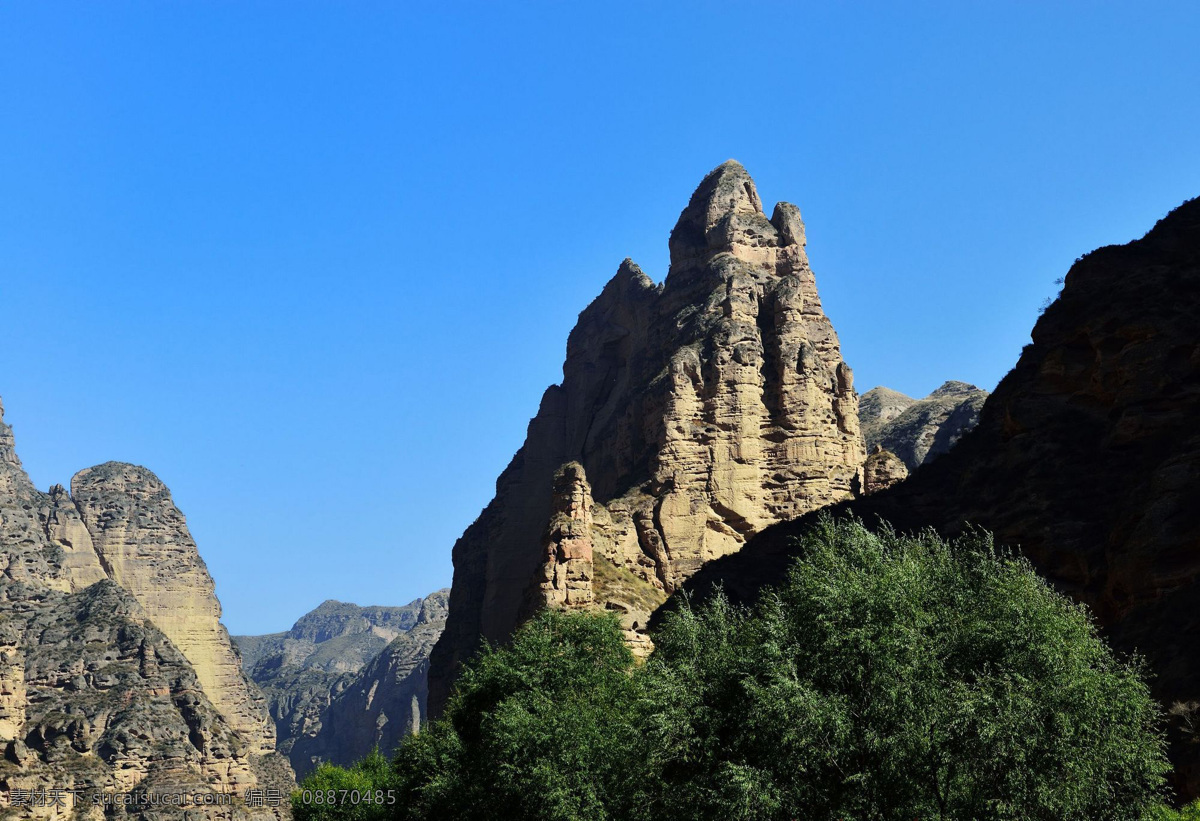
(892, 677)
(541, 729)
(887, 677)
(363, 792)
(1189, 813)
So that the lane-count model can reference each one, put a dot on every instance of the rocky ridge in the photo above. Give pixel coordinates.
(695, 413)
(1087, 458)
(95, 693)
(344, 678)
(384, 702)
(919, 430)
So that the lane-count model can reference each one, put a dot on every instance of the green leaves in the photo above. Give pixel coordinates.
(886, 677)
(542, 729)
(905, 677)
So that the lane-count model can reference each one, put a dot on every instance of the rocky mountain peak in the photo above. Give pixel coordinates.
(143, 542)
(954, 388)
(690, 416)
(725, 215)
(920, 430)
(111, 647)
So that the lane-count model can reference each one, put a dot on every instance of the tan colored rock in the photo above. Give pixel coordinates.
(882, 470)
(142, 539)
(701, 411)
(66, 530)
(565, 579)
(93, 695)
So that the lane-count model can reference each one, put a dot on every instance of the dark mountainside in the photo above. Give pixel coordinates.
(1087, 457)
(919, 430)
(383, 703)
(335, 637)
(691, 415)
(346, 678)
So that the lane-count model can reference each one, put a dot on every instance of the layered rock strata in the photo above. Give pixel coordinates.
(94, 693)
(1087, 457)
(882, 470)
(346, 678)
(698, 411)
(143, 542)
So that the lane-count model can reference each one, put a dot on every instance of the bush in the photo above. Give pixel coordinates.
(360, 793)
(892, 677)
(542, 729)
(885, 678)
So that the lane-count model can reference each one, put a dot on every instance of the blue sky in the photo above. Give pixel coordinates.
(314, 263)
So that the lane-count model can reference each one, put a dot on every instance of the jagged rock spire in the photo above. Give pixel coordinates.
(700, 411)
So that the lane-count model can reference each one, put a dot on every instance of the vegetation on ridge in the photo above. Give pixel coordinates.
(886, 677)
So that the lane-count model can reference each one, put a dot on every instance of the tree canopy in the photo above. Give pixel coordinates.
(887, 677)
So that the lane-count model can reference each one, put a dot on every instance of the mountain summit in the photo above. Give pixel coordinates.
(691, 415)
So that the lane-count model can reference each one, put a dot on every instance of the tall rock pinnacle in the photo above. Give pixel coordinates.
(691, 415)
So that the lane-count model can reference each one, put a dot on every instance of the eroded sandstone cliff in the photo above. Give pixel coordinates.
(1086, 457)
(143, 543)
(695, 413)
(95, 694)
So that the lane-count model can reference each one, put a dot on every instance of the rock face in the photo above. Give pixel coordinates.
(1087, 457)
(384, 702)
(336, 637)
(95, 693)
(698, 413)
(567, 568)
(882, 470)
(143, 542)
(920, 430)
(317, 677)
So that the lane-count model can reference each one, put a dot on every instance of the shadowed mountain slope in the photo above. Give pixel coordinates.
(1086, 457)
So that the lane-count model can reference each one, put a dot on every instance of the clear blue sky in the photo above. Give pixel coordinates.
(314, 263)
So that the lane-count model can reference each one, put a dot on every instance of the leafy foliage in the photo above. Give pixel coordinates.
(543, 729)
(887, 677)
(892, 677)
(1189, 813)
(359, 793)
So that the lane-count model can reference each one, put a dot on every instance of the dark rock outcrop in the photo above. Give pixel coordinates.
(1087, 458)
(919, 430)
(700, 411)
(385, 701)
